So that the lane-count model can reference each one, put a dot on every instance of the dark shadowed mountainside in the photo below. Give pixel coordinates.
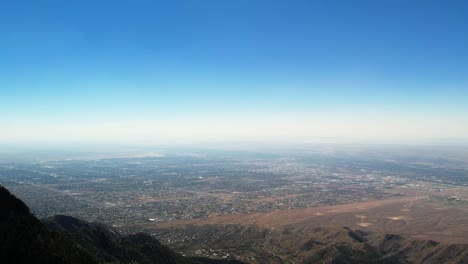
(64, 239)
(305, 243)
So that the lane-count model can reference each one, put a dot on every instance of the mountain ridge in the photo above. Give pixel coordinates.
(65, 239)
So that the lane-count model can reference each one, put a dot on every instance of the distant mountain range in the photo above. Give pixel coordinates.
(65, 239)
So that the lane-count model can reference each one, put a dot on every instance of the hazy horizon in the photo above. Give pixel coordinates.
(185, 73)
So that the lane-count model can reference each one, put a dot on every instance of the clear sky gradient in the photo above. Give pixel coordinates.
(199, 71)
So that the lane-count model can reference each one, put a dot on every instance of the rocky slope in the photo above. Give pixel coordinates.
(64, 239)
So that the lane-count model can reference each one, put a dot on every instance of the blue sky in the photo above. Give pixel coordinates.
(222, 66)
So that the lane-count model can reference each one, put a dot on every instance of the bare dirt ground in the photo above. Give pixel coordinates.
(418, 216)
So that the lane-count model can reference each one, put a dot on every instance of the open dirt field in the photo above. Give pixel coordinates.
(416, 216)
